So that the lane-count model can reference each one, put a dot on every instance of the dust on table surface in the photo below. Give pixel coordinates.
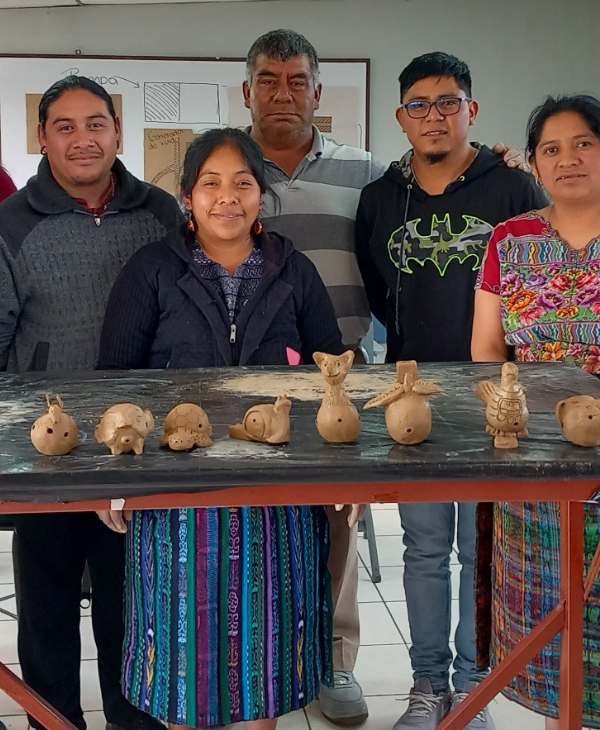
(305, 386)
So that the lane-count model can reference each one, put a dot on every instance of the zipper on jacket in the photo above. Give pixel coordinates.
(232, 334)
(98, 220)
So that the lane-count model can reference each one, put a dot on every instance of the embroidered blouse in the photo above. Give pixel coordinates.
(235, 289)
(549, 292)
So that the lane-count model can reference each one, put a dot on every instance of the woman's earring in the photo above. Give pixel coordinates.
(43, 150)
(258, 227)
(191, 225)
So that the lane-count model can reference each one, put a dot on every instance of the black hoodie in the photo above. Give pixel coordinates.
(419, 254)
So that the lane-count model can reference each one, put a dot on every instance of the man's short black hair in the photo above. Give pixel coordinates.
(435, 64)
(73, 83)
(282, 44)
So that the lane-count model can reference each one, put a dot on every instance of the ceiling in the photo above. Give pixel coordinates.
(62, 3)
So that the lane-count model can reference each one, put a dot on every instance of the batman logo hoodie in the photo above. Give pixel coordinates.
(419, 254)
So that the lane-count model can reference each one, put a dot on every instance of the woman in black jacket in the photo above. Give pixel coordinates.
(228, 611)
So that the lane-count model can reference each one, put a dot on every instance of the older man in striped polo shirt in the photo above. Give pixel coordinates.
(317, 185)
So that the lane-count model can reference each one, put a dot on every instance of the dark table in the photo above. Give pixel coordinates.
(457, 463)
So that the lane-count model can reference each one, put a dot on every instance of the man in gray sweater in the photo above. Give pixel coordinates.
(63, 241)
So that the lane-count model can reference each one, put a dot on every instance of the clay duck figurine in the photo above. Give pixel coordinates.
(506, 408)
(267, 423)
(186, 426)
(407, 414)
(124, 427)
(579, 418)
(55, 433)
(338, 420)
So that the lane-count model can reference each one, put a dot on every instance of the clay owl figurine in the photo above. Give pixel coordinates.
(267, 423)
(55, 433)
(186, 426)
(579, 418)
(124, 427)
(407, 413)
(338, 421)
(506, 408)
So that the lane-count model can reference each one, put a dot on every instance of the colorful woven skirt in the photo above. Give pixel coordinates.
(526, 588)
(228, 613)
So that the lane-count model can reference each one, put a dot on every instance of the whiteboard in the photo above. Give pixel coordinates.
(165, 93)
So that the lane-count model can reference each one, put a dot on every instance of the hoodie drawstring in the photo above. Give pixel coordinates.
(402, 257)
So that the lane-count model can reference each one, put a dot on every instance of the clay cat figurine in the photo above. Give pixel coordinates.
(338, 420)
(506, 407)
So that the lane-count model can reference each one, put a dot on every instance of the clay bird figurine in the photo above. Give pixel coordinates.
(55, 433)
(506, 408)
(186, 426)
(338, 420)
(268, 423)
(124, 427)
(407, 410)
(579, 418)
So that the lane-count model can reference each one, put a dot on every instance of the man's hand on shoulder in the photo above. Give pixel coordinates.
(512, 156)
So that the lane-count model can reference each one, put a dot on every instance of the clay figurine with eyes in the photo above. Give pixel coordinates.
(124, 427)
(338, 420)
(579, 418)
(407, 409)
(186, 426)
(55, 433)
(267, 423)
(506, 407)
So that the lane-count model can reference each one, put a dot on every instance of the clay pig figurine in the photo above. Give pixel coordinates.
(186, 426)
(338, 420)
(55, 433)
(579, 418)
(267, 423)
(124, 427)
(407, 410)
(506, 408)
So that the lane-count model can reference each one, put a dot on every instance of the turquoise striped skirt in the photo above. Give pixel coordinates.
(228, 613)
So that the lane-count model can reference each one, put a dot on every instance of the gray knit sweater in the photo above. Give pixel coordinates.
(58, 264)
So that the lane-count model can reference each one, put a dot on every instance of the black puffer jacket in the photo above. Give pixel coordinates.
(162, 314)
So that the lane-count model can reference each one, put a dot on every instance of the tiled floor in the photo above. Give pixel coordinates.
(383, 666)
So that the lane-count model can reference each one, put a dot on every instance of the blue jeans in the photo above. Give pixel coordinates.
(428, 538)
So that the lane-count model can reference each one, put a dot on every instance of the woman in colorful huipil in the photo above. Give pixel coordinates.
(227, 611)
(539, 291)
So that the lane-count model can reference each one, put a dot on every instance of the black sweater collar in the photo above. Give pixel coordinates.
(46, 196)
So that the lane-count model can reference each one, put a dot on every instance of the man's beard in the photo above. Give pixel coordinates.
(434, 158)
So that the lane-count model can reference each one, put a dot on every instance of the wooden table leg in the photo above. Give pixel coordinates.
(508, 668)
(31, 702)
(572, 592)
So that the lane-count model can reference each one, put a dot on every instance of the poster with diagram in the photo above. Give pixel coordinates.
(174, 98)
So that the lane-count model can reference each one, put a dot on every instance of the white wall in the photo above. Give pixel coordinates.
(518, 50)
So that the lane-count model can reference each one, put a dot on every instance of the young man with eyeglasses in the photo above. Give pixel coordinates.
(421, 231)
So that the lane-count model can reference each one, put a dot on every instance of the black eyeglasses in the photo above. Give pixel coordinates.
(420, 108)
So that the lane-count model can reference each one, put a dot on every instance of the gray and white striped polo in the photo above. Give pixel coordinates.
(316, 209)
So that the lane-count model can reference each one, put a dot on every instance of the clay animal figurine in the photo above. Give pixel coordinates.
(55, 433)
(124, 427)
(407, 413)
(338, 421)
(506, 408)
(186, 426)
(268, 423)
(579, 418)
